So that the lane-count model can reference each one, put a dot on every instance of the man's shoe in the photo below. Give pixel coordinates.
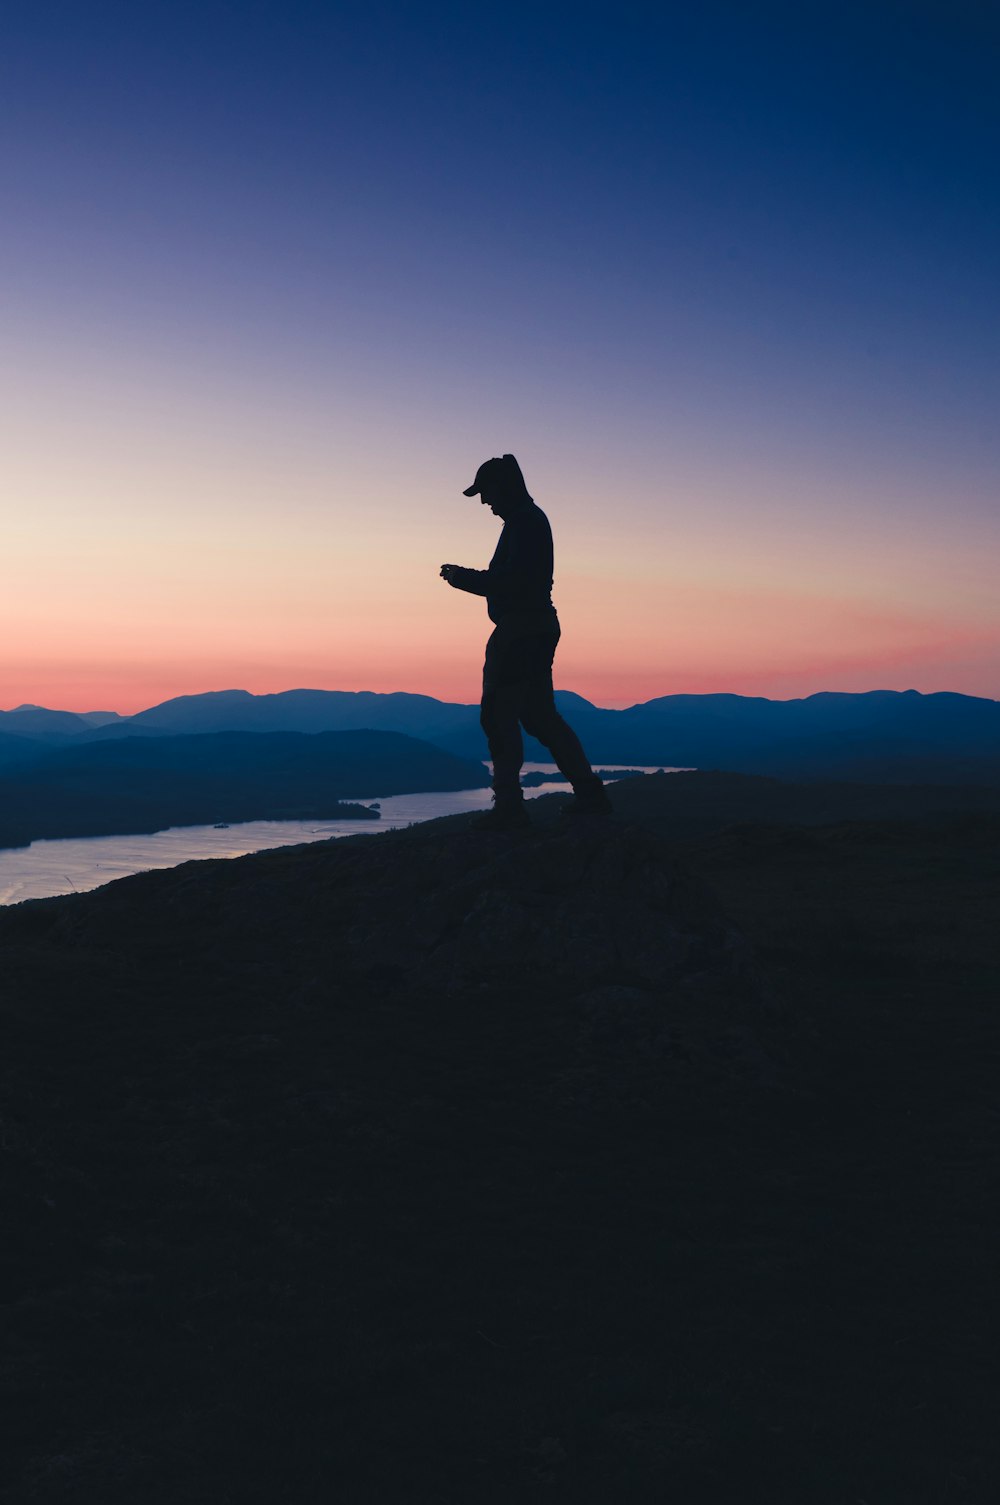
(506, 815)
(589, 799)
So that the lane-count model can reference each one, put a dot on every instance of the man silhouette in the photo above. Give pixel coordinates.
(517, 675)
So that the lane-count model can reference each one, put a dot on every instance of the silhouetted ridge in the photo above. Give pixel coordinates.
(881, 735)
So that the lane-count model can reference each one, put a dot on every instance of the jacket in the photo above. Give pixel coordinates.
(518, 583)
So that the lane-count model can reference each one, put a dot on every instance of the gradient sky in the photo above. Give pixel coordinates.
(277, 277)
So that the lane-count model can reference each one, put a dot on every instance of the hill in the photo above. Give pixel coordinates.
(140, 785)
(38, 721)
(452, 725)
(573, 1165)
(15, 749)
(882, 735)
(878, 736)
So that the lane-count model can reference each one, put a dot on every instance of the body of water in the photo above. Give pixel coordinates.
(76, 864)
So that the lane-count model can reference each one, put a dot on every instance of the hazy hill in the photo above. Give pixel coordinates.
(574, 1165)
(38, 721)
(100, 718)
(15, 749)
(311, 711)
(145, 784)
(881, 735)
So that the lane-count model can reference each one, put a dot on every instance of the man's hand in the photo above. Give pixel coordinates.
(475, 582)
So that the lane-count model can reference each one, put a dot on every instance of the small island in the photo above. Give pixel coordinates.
(533, 780)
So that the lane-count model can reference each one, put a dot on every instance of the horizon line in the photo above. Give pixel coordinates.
(26, 706)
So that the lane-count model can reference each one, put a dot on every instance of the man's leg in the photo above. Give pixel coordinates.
(541, 720)
(498, 718)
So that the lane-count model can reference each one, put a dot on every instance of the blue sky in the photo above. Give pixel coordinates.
(723, 276)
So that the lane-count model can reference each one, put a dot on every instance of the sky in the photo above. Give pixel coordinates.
(276, 278)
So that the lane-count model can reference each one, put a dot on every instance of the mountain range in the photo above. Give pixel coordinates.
(881, 735)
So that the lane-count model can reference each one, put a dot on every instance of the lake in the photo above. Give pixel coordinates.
(77, 864)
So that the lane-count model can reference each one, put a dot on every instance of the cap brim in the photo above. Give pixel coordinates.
(471, 491)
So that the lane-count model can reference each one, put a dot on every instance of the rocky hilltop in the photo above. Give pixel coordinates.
(581, 1164)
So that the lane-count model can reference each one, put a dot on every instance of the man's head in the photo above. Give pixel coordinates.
(500, 486)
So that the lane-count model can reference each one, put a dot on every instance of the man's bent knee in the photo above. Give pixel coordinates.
(543, 723)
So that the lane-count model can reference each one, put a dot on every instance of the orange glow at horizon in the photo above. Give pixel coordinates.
(891, 654)
(250, 541)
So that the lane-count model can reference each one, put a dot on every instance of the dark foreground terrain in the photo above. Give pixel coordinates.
(650, 1161)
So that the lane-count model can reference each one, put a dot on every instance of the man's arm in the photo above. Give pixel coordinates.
(473, 581)
(524, 560)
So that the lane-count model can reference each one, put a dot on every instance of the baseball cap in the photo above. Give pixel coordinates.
(502, 471)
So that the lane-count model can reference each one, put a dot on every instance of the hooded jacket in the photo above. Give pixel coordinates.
(518, 583)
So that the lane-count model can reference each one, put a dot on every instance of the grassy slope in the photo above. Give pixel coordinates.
(294, 1228)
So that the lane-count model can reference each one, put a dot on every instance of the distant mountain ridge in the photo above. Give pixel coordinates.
(39, 721)
(315, 711)
(879, 734)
